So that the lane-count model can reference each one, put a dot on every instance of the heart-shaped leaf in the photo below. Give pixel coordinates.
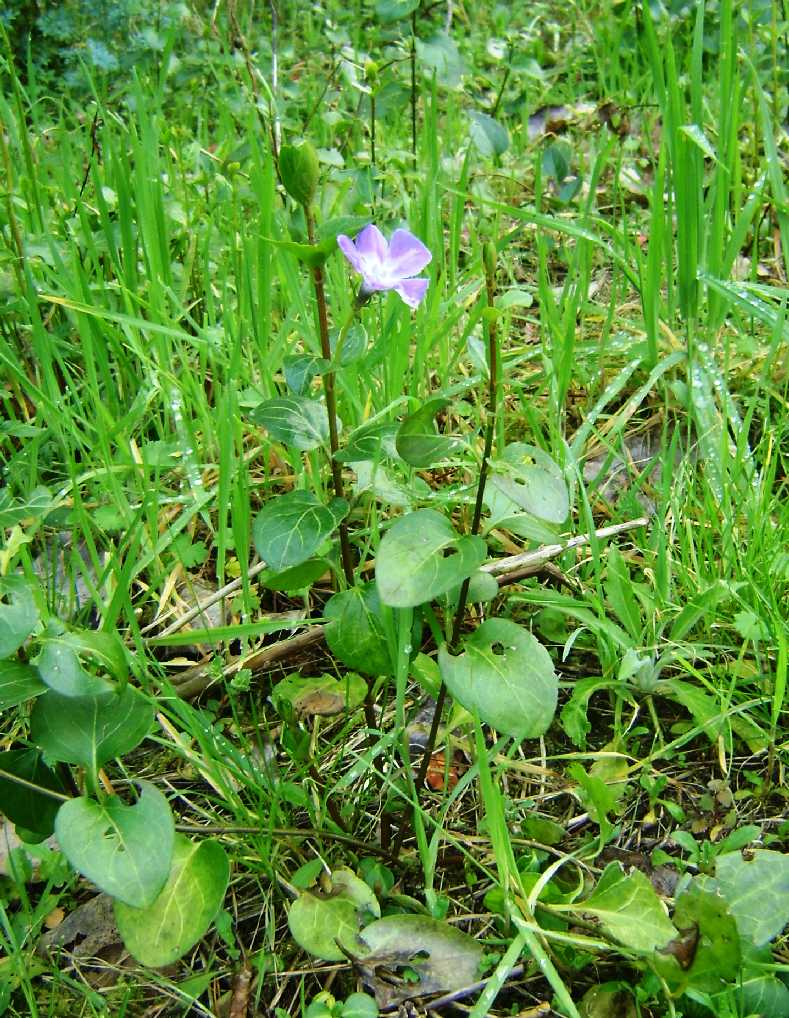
(125, 850)
(629, 910)
(320, 922)
(355, 632)
(18, 614)
(296, 421)
(18, 682)
(442, 957)
(159, 934)
(290, 528)
(89, 730)
(530, 478)
(505, 675)
(421, 557)
(25, 805)
(418, 441)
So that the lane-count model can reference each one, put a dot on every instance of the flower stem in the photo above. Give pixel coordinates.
(331, 400)
(413, 87)
(457, 624)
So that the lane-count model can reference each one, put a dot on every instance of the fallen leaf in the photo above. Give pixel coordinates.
(87, 931)
(413, 956)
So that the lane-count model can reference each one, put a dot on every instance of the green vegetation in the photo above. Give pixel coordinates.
(394, 621)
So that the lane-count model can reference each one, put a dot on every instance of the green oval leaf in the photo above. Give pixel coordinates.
(418, 441)
(159, 934)
(355, 632)
(290, 528)
(421, 557)
(89, 730)
(124, 850)
(488, 135)
(530, 478)
(505, 675)
(60, 666)
(295, 421)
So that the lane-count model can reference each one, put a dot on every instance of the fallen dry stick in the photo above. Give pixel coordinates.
(193, 681)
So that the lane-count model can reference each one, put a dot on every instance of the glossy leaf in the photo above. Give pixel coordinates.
(90, 730)
(422, 557)
(319, 922)
(505, 675)
(290, 528)
(124, 850)
(59, 661)
(295, 421)
(165, 930)
(418, 441)
(355, 632)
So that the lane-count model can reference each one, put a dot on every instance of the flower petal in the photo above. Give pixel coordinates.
(348, 248)
(407, 254)
(371, 245)
(412, 290)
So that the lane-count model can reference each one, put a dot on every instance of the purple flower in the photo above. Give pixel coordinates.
(389, 266)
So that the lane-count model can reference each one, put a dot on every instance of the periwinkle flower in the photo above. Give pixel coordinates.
(389, 266)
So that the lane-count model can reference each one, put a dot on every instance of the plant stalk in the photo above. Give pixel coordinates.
(331, 400)
(457, 624)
